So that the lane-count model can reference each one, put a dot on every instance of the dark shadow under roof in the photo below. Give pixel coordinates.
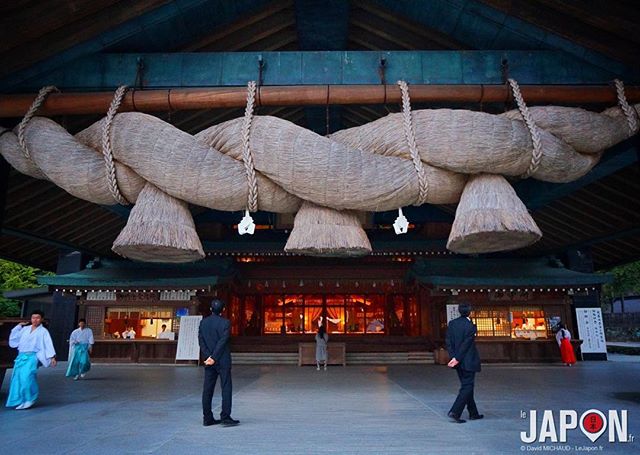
(125, 274)
(505, 272)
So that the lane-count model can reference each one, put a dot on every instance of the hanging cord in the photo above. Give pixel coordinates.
(629, 112)
(410, 135)
(42, 96)
(326, 114)
(106, 145)
(536, 155)
(247, 157)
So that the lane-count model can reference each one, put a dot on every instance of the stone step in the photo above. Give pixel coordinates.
(265, 358)
(390, 358)
(353, 358)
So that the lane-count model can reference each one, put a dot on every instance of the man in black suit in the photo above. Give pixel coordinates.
(213, 336)
(465, 359)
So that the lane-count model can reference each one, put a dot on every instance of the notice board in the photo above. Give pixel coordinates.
(188, 346)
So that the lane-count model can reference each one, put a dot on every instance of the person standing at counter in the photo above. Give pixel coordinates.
(80, 345)
(213, 336)
(563, 337)
(34, 345)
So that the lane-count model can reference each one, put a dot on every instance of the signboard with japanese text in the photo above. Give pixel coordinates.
(188, 346)
(591, 330)
(452, 312)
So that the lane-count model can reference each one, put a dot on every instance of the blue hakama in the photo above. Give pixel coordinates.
(24, 386)
(79, 362)
(34, 345)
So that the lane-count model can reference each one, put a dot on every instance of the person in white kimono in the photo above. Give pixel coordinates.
(129, 334)
(80, 345)
(34, 345)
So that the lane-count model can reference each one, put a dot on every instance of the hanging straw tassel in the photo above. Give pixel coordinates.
(321, 231)
(160, 229)
(490, 217)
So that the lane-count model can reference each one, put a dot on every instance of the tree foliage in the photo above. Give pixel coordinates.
(15, 276)
(626, 281)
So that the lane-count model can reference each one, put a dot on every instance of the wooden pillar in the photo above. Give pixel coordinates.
(63, 318)
(4, 184)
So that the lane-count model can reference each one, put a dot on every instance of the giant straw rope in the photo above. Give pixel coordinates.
(267, 163)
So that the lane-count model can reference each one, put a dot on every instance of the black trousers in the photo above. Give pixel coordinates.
(211, 374)
(465, 395)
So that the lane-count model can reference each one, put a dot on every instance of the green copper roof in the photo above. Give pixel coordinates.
(108, 273)
(498, 271)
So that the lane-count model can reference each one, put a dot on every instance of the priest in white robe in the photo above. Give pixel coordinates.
(80, 345)
(34, 345)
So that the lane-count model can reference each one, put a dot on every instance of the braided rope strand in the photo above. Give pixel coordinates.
(247, 156)
(410, 134)
(629, 112)
(107, 152)
(536, 155)
(37, 102)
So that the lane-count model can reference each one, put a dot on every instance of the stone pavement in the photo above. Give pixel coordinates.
(625, 344)
(121, 409)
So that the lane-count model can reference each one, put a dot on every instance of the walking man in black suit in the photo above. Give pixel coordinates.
(213, 335)
(465, 359)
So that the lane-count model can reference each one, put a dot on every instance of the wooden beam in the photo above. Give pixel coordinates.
(397, 32)
(30, 261)
(78, 223)
(558, 22)
(63, 211)
(19, 26)
(322, 25)
(38, 238)
(274, 8)
(31, 215)
(537, 194)
(312, 95)
(426, 34)
(602, 215)
(229, 69)
(28, 52)
(169, 26)
(478, 25)
(43, 187)
(628, 210)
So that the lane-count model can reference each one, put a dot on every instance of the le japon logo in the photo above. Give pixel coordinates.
(592, 423)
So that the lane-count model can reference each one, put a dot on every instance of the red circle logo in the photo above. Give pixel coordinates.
(592, 422)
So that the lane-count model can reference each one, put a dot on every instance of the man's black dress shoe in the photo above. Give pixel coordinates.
(229, 422)
(209, 422)
(456, 418)
(476, 417)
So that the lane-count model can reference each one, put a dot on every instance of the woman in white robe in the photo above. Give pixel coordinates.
(80, 345)
(34, 345)
(321, 347)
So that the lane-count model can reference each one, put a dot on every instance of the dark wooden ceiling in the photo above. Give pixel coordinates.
(40, 219)
(609, 27)
(603, 216)
(32, 30)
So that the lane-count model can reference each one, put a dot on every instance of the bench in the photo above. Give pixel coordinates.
(336, 354)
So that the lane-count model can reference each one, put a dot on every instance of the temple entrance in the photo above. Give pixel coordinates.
(376, 314)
